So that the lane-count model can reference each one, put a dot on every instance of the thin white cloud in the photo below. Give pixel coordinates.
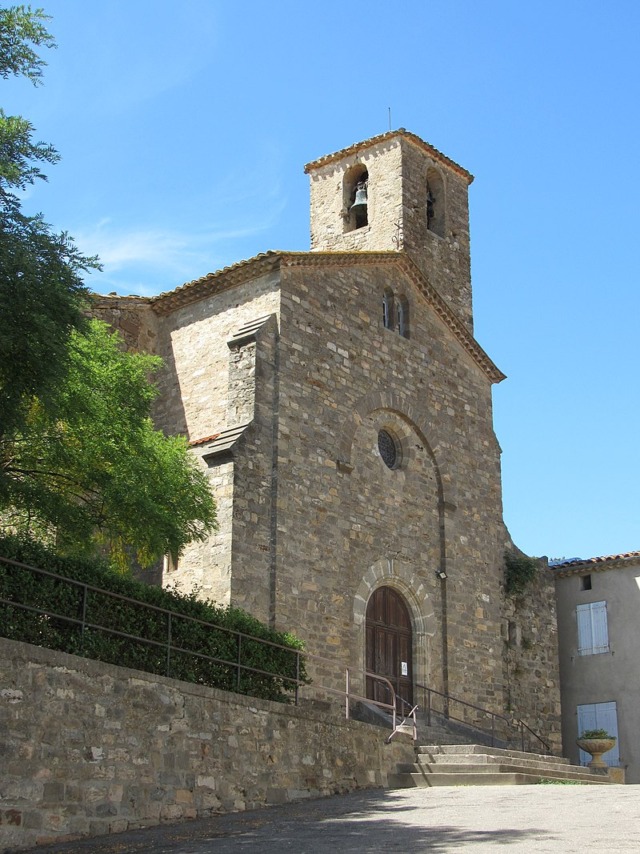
(147, 261)
(213, 228)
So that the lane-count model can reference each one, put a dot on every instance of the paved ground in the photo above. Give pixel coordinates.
(476, 820)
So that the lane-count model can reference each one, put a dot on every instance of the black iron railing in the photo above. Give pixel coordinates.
(499, 728)
(76, 630)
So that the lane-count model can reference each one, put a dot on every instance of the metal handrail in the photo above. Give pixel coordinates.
(348, 694)
(494, 716)
(294, 681)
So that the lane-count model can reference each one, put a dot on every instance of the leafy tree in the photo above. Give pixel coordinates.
(21, 27)
(80, 462)
(41, 291)
(95, 472)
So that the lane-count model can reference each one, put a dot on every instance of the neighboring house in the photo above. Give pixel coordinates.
(598, 603)
(342, 407)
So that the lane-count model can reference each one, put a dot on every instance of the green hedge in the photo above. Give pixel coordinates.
(200, 628)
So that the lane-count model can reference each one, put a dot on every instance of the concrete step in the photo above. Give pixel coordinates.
(477, 765)
(534, 762)
(439, 735)
(405, 781)
(452, 750)
(547, 772)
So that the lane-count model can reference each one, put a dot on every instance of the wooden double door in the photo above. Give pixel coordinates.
(389, 646)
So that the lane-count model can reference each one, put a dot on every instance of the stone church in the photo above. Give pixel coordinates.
(342, 408)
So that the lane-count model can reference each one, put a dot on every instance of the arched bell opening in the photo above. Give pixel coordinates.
(435, 202)
(355, 198)
(389, 646)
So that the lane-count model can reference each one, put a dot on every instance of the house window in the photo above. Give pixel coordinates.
(599, 716)
(585, 582)
(593, 634)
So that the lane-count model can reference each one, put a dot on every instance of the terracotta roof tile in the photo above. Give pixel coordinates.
(245, 271)
(220, 443)
(375, 140)
(204, 440)
(578, 565)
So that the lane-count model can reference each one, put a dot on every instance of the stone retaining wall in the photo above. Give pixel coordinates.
(89, 748)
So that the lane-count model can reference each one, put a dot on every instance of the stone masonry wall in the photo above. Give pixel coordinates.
(342, 514)
(384, 209)
(132, 317)
(445, 260)
(253, 526)
(531, 658)
(194, 386)
(397, 216)
(90, 749)
(205, 388)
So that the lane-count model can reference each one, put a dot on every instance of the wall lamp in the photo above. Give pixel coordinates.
(441, 574)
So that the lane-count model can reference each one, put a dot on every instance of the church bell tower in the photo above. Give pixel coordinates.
(397, 193)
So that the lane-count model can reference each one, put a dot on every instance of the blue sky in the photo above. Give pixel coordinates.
(184, 127)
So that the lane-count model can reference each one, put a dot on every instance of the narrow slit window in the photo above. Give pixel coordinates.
(402, 317)
(387, 310)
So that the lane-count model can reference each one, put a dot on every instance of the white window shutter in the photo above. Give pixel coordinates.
(599, 624)
(593, 634)
(583, 615)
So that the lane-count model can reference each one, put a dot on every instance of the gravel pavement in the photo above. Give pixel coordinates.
(532, 819)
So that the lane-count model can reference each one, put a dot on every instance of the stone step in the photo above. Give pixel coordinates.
(481, 749)
(439, 735)
(552, 773)
(478, 765)
(534, 762)
(404, 781)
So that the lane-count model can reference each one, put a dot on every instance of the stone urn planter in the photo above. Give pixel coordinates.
(596, 742)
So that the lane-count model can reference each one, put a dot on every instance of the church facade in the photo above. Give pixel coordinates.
(342, 408)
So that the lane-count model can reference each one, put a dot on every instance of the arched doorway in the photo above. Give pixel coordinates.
(389, 645)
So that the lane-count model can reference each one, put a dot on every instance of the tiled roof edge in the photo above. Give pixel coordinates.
(220, 280)
(244, 271)
(432, 296)
(219, 443)
(375, 140)
(577, 565)
(452, 320)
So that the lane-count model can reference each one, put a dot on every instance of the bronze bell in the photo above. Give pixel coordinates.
(360, 203)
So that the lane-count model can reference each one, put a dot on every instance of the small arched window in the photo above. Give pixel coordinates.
(388, 309)
(435, 202)
(402, 316)
(355, 199)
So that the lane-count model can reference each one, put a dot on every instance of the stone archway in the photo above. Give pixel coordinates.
(403, 578)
